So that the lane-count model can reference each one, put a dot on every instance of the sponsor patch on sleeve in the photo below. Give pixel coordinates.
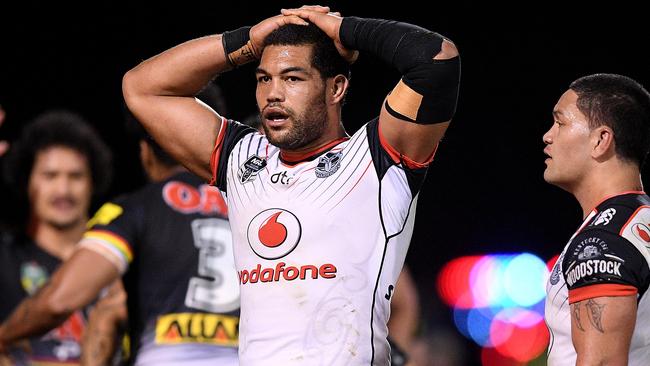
(592, 261)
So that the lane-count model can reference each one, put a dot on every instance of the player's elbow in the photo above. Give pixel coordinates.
(134, 96)
(129, 86)
(448, 50)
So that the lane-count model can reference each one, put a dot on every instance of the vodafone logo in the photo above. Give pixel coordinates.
(642, 232)
(274, 233)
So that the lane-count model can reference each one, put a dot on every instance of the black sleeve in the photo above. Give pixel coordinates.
(410, 49)
(231, 133)
(118, 224)
(383, 161)
(597, 257)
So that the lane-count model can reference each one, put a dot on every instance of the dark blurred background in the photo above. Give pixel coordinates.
(484, 192)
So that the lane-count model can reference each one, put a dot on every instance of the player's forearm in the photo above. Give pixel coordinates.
(99, 349)
(100, 340)
(428, 62)
(180, 71)
(35, 315)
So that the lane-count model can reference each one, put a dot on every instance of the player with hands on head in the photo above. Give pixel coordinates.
(321, 220)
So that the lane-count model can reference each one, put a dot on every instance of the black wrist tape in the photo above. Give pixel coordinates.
(238, 47)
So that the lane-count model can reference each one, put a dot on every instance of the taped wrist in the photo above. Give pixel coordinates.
(238, 46)
(428, 91)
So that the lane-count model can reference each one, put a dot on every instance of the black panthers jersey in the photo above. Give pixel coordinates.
(609, 255)
(25, 268)
(172, 241)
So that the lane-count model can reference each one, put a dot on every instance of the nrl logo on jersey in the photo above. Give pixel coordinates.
(248, 171)
(328, 164)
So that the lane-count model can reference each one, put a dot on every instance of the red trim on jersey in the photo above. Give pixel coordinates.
(355, 184)
(631, 218)
(295, 157)
(601, 290)
(400, 158)
(616, 194)
(216, 152)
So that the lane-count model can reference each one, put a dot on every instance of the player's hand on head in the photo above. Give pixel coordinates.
(328, 22)
(319, 9)
(262, 29)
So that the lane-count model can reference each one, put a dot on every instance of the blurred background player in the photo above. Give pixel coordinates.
(56, 167)
(171, 242)
(404, 319)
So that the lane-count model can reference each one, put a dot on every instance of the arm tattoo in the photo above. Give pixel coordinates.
(576, 315)
(596, 314)
(98, 349)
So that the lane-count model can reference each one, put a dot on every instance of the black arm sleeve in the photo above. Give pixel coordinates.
(411, 50)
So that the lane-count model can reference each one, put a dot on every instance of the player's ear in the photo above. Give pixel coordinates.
(337, 87)
(603, 143)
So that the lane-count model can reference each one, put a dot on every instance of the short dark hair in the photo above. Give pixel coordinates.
(136, 131)
(58, 128)
(622, 104)
(325, 58)
(211, 95)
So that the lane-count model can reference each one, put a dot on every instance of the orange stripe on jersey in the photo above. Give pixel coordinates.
(614, 195)
(399, 158)
(602, 290)
(114, 240)
(216, 152)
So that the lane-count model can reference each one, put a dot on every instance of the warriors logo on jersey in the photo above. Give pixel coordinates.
(328, 164)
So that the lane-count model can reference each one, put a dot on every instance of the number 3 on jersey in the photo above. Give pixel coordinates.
(221, 293)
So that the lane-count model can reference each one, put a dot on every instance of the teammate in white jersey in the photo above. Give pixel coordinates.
(321, 221)
(597, 305)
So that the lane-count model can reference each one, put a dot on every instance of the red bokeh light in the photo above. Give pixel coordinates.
(454, 282)
(551, 263)
(523, 343)
(491, 357)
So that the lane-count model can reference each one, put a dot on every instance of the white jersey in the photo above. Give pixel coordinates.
(319, 243)
(609, 255)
